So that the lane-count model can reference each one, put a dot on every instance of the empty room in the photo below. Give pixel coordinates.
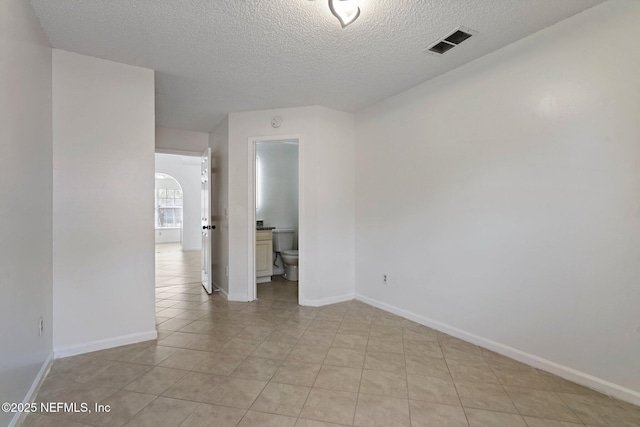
(320, 213)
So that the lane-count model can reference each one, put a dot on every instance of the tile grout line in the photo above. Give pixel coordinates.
(454, 383)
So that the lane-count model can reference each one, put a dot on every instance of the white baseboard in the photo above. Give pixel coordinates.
(582, 378)
(326, 301)
(19, 417)
(222, 291)
(265, 279)
(73, 350)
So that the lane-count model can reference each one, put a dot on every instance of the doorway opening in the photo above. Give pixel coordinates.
(276, 265)
(177, 221)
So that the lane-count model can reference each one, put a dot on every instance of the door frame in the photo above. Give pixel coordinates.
(252, 291)
(205, 209)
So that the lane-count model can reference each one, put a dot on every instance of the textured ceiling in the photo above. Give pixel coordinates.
(213, 57)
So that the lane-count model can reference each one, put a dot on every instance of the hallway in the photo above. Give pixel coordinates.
(274, 363)
(175, 267)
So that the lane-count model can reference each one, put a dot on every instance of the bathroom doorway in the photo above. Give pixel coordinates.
(276, 221)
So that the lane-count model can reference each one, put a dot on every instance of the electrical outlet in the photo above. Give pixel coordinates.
(40, 326)
(226, 270)
(385, 279)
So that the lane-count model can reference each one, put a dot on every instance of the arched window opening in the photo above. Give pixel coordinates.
(168, 202)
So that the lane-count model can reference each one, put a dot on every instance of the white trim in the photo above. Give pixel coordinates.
(19, 417)
(222, 291)
(582, 378)
(327, 301)
(178, 152)
(72, 350)
(252, 292)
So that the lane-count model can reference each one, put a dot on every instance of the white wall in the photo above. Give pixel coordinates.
(168, 235)
(503, 199)
(177, 141)
(103, 160)
(219, 142)
(25, 210)
(326, 236)
(278, 185)
(186, 170)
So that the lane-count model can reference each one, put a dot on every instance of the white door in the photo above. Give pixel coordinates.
(207, 228)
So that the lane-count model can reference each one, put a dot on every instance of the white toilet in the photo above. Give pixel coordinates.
(283, 240)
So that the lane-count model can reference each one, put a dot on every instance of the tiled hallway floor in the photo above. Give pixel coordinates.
(274, 363)
(175, 267)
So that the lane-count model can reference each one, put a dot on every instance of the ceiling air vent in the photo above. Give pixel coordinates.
(450, 41)
(441, 47)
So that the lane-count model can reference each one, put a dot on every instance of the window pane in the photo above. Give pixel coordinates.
(168, 207)
(169, 217)
(161, 217)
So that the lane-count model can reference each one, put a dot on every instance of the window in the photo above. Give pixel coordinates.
(168, 205)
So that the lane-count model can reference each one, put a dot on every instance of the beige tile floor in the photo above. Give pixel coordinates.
(274, 363)
(175, 267)
(279, 289)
